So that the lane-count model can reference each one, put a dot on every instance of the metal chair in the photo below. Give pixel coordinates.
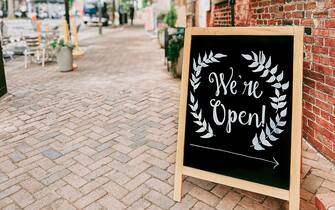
(5, 41)
(48, 37)
(34, 51)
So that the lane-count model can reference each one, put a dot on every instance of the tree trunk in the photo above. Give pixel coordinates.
(113, 12)
(67, 15)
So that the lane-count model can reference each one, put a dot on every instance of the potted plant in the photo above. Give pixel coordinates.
(63, 51)
(162, 27)
(173, 53)
(166, 24)
(171, 18)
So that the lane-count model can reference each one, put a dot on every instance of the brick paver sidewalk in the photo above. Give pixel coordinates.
(104, 137)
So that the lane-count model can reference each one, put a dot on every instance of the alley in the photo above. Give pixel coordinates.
(86, 135)
(104, 136)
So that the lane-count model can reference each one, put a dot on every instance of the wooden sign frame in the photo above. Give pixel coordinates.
(293, 194)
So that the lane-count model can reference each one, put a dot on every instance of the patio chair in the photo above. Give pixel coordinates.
(48, 37)
(34, 51)
(7, 53)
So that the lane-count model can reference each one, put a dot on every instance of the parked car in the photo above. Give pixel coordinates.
(43, 14)
(91, 13)
(3, 13)
(21, 12)
(32, 14)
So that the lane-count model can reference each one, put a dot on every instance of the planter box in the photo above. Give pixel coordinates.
(64, 59)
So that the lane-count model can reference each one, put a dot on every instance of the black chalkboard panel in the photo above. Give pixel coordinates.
(239, 105)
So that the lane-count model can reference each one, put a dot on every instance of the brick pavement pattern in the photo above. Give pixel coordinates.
(104, 136)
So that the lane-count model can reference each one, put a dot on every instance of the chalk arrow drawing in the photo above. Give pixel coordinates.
(275, 162)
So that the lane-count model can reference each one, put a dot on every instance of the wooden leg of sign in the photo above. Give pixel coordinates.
(294, 199)
(296, 120)
(294, 204)
(178, 181)
(294, 196)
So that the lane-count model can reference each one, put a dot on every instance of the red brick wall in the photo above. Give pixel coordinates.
(318, 17)
(222, 15)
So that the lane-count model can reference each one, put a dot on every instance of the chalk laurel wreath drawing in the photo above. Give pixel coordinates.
(263, 65)
(260, 64)
(196, 111)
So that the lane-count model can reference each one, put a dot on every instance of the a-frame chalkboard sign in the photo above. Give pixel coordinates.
(240, 109)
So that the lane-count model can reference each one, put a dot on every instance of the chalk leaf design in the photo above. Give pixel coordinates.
(274, 127)
(205, 130)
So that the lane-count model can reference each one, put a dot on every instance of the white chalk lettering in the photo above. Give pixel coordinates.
(223, 115)
(221, 84)
(252, 86)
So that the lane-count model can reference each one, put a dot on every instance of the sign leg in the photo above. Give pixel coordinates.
(294, 200)
(294, 203)
(178, 181)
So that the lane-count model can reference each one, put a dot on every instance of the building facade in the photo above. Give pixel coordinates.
(318, 18)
